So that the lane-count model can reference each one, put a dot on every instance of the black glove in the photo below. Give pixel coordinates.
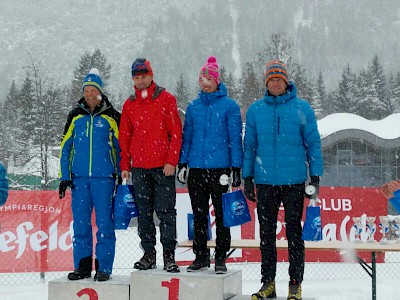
(63, 187)
(119, 180)
(182, 173)
(249, 189)
(314, 188)
(236, 177)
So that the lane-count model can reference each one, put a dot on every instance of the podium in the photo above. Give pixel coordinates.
(205, 285)
(151, 284)
(116, 288)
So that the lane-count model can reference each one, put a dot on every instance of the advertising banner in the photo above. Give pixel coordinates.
(36, 227)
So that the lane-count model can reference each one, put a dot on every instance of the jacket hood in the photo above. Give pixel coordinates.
(290, 94)
(209, 98)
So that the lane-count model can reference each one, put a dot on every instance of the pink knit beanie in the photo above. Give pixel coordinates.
(210, 69)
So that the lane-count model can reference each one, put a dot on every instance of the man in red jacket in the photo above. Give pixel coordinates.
(150, 138)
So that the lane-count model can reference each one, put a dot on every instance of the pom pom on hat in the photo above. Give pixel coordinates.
(210, 69)
(276, 69)
(141, 66)
(93, 79)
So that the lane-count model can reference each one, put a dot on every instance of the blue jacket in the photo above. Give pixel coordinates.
(212, 133)
(281, 140)
(89, 147)
(3, 185)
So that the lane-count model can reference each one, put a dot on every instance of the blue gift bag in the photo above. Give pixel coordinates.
(190, 218)
(312, 229)
(235, 209)
(125, 206)
(395, 201)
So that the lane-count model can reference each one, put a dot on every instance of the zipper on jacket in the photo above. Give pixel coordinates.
(91, 145)
(279, 122)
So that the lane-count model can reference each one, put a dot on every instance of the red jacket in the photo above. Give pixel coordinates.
(150, 132)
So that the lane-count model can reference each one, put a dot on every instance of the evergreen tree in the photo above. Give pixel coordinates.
(373, 100)
(319, 97)
(298, 75)
(10, 124)
(395, 93)
(345, 99)
(231, 84)
(181, 93)
(252, 88)
(87, 62)
(27, 110)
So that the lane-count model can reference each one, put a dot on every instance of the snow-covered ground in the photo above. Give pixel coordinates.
(317, 289)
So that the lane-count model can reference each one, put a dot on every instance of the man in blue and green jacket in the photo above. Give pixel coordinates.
(89, 164)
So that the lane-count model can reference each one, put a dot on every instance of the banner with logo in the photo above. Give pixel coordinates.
(36, 227)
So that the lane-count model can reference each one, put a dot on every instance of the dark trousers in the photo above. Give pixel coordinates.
(155, 192)
(269, 199)
(203, 184)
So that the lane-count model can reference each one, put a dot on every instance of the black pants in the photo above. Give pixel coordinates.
(269, 199)
(203, 183)
(155, 192)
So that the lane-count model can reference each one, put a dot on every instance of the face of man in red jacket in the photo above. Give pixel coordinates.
(142, 82)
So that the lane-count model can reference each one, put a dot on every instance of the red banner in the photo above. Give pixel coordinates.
(36, 227)
(35, 232)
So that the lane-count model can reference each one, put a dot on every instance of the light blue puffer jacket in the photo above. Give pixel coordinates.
(281, 140)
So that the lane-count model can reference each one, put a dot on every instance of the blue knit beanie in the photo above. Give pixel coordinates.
(93, 79)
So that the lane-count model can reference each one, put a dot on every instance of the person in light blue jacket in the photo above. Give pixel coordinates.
(3, 185)
(211, 148)
(282, 147)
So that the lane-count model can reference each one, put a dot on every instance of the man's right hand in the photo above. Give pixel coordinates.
(182, 173)
(249, 189)
(125, 175)
(64, 184)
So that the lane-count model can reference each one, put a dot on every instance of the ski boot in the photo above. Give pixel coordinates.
(169, 262)
(294, 290)
(267, 291)
(84, 270)
(148, 261)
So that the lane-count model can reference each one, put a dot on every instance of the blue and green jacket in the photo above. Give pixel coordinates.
(89, 147)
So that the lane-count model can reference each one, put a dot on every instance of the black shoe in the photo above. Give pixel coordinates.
(84, 270)
(169, 262)
(101, 276)
(199, 264)
(267, 291)
(220, 266)
(148, 261)
(79, 274)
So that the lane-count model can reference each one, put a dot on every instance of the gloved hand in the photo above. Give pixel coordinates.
(312, 190)
(182, 173)
(249, 189)
(236, 177)
(63, 187)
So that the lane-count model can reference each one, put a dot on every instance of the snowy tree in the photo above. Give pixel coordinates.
(298, 75)
(232, 85)
(181, 92)
(252, 88)
(87, 62)
(345, 98)
(395, 93)
(279, 47)
(373, 98)
(319, 97)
